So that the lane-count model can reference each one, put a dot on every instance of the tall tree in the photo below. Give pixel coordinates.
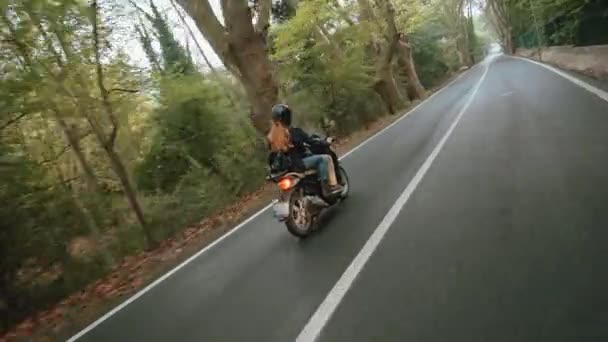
(415, 89)
(108, 142)
(499, 13)
(146, 42)
(383, 47)
(175, 58)
(182, 18)
(64, 64)
(71, 131)
(240, 42)
(453, 15)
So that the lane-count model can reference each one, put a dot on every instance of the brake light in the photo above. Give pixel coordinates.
(285, 184)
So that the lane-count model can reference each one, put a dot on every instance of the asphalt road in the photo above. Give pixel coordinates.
(505, 237)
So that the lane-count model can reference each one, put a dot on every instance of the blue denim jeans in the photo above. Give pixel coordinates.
(320, 162)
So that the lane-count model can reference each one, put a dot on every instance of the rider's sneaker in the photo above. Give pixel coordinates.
(332, 190)
(336, 189)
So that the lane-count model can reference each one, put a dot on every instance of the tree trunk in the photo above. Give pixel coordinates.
(509, 46)
(121, 171)
(466, 42)
(72, 137)
(90, 212)
(385, 84)
(242, 48)
(108, 141)
(260, 86)
(462, 49)
(499, 14)
(365, 10)
(117, 166)
(384, 52)
(406, 61)
(386, 87)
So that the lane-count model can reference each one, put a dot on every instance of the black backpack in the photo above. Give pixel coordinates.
(279, 162)
(285, 161)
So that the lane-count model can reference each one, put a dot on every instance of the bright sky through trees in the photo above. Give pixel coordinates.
(133, 47)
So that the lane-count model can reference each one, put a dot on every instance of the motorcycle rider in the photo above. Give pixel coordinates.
(287, 150)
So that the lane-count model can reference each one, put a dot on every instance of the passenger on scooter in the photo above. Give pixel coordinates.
(287, 150)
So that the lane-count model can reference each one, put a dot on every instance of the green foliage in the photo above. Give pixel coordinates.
(175, 58)
(189, 134)
(283, 10)
(429, 58)
(33, 218)
(327, 80)
(558, 22)
(146, 43)
(201, 152)
(195, 130)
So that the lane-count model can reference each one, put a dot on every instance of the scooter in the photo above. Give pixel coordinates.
(301, 199)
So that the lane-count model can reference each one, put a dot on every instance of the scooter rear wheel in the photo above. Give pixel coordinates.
(345, 182)
(300, 221)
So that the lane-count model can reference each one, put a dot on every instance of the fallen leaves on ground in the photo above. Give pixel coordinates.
(132, 273)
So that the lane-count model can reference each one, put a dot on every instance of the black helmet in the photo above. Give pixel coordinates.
(282, 113)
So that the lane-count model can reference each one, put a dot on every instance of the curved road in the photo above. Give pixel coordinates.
(486, 209)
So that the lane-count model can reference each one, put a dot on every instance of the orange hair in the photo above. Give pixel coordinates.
(278, 137)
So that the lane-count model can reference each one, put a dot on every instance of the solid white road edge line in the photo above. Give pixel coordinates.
(312, 330)
(235, 229)
(599, 92)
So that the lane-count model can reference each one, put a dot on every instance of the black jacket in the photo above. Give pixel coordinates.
(292, 159)
(298, 139)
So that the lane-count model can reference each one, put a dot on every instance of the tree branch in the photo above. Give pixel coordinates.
(18, 44)
(365, 10)
(208, 24)
(141, 10)
(105, 95)
(55, 157)
(342, 13)
(200, 48)
(13, 121)
(147, 45)
(392, 36)
(66, 148)
(63, 182)
(202, 51)
(123, 90)
(262, 23)
(47, 40)
(322, 33)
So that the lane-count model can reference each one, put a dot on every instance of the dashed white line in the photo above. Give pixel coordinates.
(312, 330)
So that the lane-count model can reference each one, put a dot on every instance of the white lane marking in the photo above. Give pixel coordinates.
(235, 229)
(507, 94)
(597, 91)
(312, 330)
